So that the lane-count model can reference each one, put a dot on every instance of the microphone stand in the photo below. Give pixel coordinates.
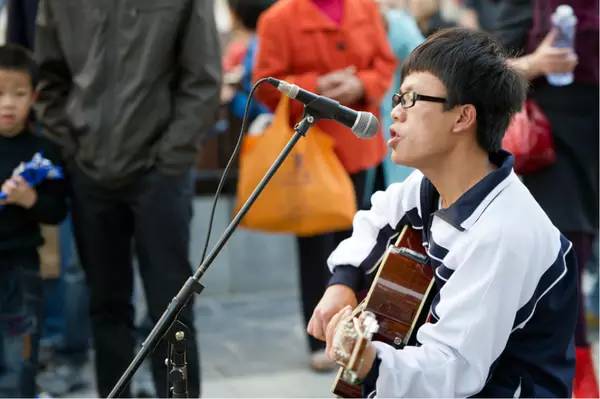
(193, 285)
(177, 360)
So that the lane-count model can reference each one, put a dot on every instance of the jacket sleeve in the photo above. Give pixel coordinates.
(514, 20)
(274, 59)
(15, 27)
(196, 93)
(372, 232)
(51, 204)
(403, 32)
(377, 79)
(475, 317)
(55, 82)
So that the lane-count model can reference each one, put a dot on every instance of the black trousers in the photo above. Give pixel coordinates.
(313, 252)
(582, 246)
(153, 213)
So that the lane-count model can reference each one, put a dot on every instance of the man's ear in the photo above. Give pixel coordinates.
(35, 95)
(466, 118)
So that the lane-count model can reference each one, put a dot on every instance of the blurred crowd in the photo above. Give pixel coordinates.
(143, 103)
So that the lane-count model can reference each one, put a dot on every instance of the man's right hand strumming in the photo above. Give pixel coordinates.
(336, 297)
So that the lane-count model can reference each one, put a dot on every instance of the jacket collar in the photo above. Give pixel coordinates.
(468, 208)
(311, 18)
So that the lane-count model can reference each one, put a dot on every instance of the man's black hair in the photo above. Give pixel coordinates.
(248, 11)
(472, 66)
(17, 58)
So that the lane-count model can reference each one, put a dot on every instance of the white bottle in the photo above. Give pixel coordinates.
(564, 21)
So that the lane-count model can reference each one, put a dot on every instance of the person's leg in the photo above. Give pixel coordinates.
(65, 372)
(163, 211)
(53, 324)
(103, 229)
(76, 327)
(314, 275)
(53, 286)
(593, 297)
(32, 316)
(360, 181)
(582, 246)
(585, 383)
(11, 343)
(11, 357)
(20, 315)
(313, 252)
(361, 186)
(53, 312)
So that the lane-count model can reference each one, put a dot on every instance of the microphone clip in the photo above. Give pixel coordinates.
(322, 108)
(307, 121)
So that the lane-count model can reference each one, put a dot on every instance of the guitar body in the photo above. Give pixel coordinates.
(399, 297)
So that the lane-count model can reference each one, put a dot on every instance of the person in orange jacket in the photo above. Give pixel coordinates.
(339, 49)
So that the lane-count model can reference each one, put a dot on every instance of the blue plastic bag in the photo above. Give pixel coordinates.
(36, 171)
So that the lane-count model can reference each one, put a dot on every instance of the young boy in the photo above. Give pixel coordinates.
(23, 209)
(502, 321)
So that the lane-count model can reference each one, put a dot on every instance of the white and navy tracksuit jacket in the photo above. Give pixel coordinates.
(503, 319)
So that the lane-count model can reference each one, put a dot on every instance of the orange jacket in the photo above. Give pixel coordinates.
(299, 43)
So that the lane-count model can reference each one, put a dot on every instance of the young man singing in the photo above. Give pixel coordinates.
(502, 320)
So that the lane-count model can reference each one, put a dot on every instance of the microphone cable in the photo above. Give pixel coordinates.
(235, 153)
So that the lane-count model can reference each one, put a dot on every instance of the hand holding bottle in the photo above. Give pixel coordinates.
(550, 60)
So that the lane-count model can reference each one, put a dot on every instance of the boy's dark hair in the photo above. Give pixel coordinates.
(472, 66)
(17, 58)
(248, 11)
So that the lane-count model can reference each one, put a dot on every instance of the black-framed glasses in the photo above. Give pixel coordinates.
(409, 98)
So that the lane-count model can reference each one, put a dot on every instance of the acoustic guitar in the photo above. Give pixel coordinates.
(396, 305)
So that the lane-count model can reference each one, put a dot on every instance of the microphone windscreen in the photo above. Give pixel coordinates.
(366, 125)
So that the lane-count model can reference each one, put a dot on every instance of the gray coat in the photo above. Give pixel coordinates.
(127, 85)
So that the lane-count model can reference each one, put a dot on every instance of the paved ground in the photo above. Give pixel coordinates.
(256, 347)
(252, 346)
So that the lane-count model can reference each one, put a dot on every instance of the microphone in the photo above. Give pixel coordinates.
(363, 124)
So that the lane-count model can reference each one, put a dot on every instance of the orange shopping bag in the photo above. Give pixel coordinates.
(311, 193)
